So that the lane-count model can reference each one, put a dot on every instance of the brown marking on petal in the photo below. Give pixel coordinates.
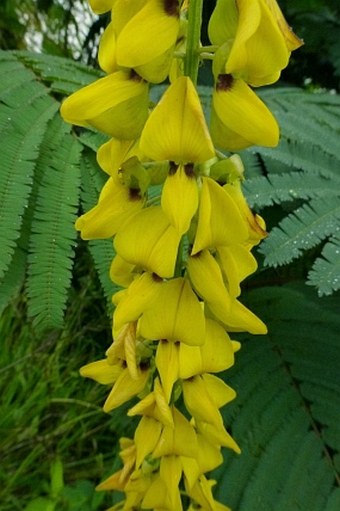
(171, 7)
(144, 365)
(189, 170)
(224, 82)
(134, 194)
(156, 278)
(135, 77)
(172, 168)
(198, 254)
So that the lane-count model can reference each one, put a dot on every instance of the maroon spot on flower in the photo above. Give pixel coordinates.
(134, 194)
(172, 168)
(171, 7)
(156, 278)
(189, 170)
(224, 82)
(135, 77)
(144, 365)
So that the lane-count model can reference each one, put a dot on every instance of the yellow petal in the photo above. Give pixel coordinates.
(237, 109)
(198, 401)
(179, 198)
(180, 440)
(158, 69)
(125, 388)
(167, 365)
(113, 153)
(171, 473)
(147, 240)
(156, 497)
(121, 271)
(176, 129)
(207, 280)
(208, 455)
(107, 50)
(223, 22)
(216, 433)
(219, 220)
(101, 371)
(292, 41)
(115, 206)
(175, 314)
(216, 354)
(256, 226)
(219, 392)
(100, 6)
(241, 319)
(135, 300)
(259, 49)
(148, 34)
(147, 435)
(116, 105)
(236, 263)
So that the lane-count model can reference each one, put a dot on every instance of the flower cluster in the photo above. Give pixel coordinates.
(182, 232)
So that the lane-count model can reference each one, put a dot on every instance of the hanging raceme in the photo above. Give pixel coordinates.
(179, 258)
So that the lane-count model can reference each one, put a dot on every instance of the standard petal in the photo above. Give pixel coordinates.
(175, 314)
(149, 241)
(176, 129)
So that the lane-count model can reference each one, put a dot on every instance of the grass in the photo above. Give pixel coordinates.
(51, 422)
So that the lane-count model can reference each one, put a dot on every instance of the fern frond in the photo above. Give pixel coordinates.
(53, 234)
(286, 412)
(278, 188)
(26, 110)
(301, 230)
(325, 273)
(63, 75)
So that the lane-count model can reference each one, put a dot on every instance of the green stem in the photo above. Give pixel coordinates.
(192, 57)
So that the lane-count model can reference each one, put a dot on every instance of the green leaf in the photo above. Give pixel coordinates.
(325, 272)
(285, 416)
(53, 234)
(301, 230)
(25, 111)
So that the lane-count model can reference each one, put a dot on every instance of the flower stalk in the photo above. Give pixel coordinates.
(180, 256)
(192, 56)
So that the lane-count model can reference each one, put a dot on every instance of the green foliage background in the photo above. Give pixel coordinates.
(55, 294)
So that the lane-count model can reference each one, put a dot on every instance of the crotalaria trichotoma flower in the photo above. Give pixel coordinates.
(181, 229)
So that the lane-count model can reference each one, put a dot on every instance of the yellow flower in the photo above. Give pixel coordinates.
(175, 314)
(219, 220)
(258, 39)
(127, 41)
(118, 480)
(179, 439)
(116, 105)
(207, 280)
(154, 405)
(201, 494)
(176, 129)
(149, 241)
(116, 204)
(215, 355)
(239, 118)
(164, 492)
